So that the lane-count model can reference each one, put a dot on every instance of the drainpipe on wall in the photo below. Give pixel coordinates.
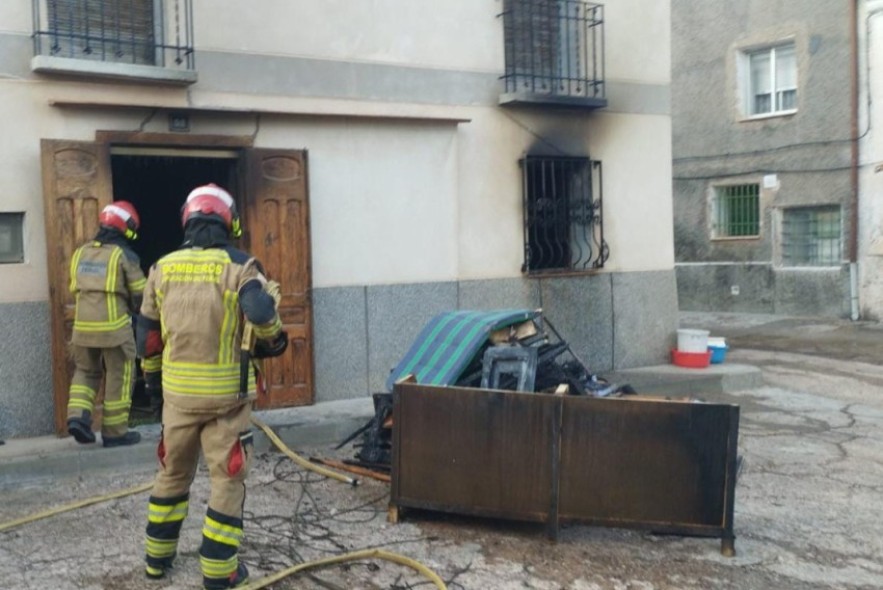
(853, 173)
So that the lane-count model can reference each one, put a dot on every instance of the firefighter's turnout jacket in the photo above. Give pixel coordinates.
(190, 328)
(107, 282)
(192, 320)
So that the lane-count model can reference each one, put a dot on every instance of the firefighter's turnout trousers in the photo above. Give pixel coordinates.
(118, 362)
(226, 440)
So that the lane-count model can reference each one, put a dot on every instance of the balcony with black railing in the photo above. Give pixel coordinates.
(554, 51)
(135, 39)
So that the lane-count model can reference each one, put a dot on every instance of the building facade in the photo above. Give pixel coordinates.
(391, 162)
(767, 208)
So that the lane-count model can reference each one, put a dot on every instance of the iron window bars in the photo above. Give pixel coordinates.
(737, 211)
(563, 228)
(554, 51)
(143, 32)
(811, 236)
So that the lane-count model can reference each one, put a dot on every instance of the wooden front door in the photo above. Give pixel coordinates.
(76, 186)
(277, 226)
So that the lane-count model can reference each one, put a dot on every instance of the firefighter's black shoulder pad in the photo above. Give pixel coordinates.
(237, 256)
(131, 255)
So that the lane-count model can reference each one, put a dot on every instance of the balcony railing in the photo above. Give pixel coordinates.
(108, 36)
(554, 52)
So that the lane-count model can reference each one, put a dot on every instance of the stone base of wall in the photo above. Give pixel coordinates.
(761, 288)
(612, 321)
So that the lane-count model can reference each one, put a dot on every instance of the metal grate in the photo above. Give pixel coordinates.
(811, 236)
(554, 47)
(737, 211)
(142, 32)
(563, 229)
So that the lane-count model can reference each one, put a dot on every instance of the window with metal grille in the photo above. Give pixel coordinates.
(554, 49)
(11, 238)
(736, 211)
(811, 236)
(563, 229)
(121, 31)
(770, 81)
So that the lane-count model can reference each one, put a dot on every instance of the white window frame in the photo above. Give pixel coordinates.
(776, 90)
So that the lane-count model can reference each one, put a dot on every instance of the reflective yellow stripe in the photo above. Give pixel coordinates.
(115, 420)
(127, 381)
(84, 326)
(79, 403)
(228, 327)
(83, 390)
(221, 533)
(268, 330)
(123, 403)
(160, 547)
(151, 364)
(75, 262)
(215, 568)
(160, 514)
(111, 283)
(138, 285)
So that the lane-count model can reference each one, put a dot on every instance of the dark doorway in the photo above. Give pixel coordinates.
(157, 184)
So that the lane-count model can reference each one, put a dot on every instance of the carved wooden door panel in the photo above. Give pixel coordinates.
(277, 230)
(76, 186)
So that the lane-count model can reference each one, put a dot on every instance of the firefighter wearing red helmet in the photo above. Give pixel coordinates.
(189, 337)
(107, 283)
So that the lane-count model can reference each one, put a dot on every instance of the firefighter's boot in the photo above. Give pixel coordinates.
(130, 438)
(81, 428)
(235, 580)
(157, 567)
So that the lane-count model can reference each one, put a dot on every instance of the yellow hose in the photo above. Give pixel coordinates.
(354, 556)
(300, 460)
(73, 506)
(265, 581)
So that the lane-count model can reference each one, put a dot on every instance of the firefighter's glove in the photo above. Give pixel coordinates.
(270, 348)
(153, 389)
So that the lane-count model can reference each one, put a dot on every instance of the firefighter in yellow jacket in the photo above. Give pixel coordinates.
(107, 283)
(189, 336)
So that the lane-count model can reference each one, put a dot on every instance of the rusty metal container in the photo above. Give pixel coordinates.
(660, 465)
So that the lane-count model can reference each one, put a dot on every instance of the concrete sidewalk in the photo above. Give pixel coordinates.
(327, 423)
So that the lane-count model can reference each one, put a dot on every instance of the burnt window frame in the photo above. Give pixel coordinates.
(563, 227)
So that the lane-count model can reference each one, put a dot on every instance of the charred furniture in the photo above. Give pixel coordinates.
(660, 465)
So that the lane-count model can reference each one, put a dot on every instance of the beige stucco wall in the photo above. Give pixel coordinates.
(393, 200)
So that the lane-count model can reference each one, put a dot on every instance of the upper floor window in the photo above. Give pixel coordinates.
(562, 214)
(554, 52)
(11, 238)
(811, 236)
(736, 211)
(119, 38)
(769, 81)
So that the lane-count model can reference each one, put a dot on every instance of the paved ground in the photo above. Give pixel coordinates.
(807, 502)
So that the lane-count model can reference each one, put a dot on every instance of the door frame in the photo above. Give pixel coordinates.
(104, 141)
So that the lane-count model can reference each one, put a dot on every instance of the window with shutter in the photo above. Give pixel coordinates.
(103, 30)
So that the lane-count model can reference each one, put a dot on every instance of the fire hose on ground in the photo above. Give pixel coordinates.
(267, 580)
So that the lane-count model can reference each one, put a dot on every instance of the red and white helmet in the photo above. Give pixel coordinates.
(212, 200)
(122, 216)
